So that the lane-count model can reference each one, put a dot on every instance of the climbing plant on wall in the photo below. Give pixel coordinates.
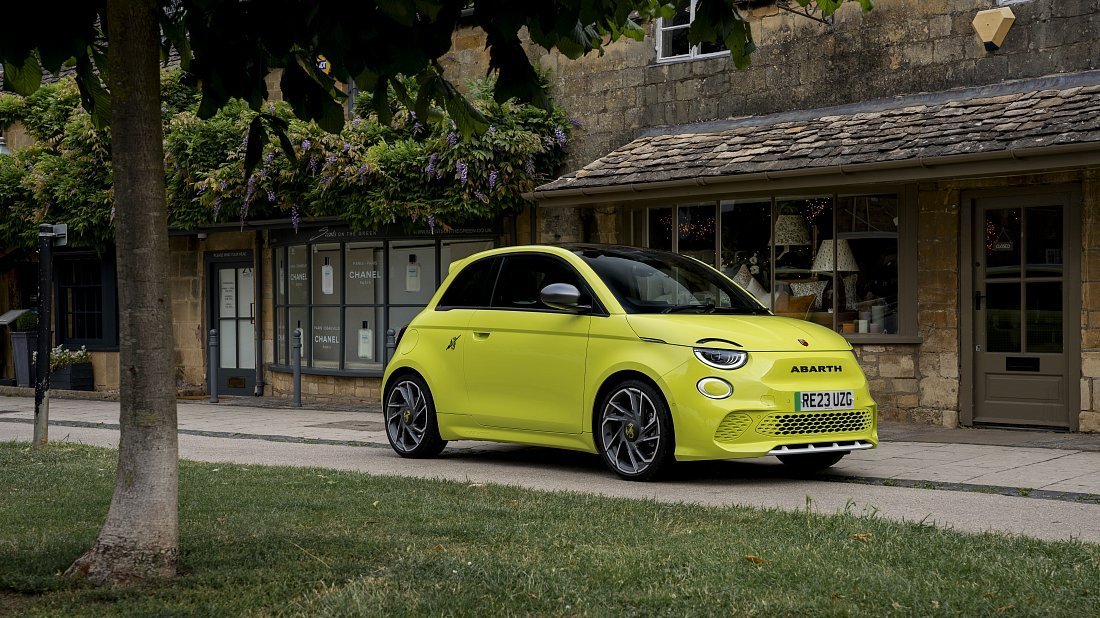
(410, 170)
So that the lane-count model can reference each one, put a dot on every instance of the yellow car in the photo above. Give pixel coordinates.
(642, 356)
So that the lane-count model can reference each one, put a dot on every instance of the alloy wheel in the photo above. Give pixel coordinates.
(406, 416)
(630, 431)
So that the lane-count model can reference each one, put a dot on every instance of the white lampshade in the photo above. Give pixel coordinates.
(790, 230)
(845, 261)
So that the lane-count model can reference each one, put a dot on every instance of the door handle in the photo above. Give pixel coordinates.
(481, 335)
(978, 296)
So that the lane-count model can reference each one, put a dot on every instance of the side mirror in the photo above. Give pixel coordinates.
(562, 296)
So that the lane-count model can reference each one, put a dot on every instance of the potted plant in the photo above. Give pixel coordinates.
(71, 370)
(24, 341)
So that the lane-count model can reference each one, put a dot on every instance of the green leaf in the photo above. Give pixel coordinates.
(309, 99)
(93, 94)
(23, 78)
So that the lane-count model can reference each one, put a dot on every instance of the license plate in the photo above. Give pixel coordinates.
(807, 401)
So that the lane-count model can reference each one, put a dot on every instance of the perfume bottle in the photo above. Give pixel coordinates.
(412, 275)
(326, 278)
(366, 342)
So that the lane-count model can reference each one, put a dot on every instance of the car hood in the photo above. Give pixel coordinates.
(752, 333)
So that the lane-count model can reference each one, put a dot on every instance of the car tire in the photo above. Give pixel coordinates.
(409, 415)
(811, 462)
(633, 431)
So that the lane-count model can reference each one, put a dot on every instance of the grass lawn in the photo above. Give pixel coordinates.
(279, 541)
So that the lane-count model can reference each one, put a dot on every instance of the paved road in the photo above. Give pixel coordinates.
(353, 440)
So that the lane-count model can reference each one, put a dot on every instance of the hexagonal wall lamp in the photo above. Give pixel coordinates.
(993, 25)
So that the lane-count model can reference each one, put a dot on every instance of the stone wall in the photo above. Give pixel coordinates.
(1090, 303)
(900, 47)
(327, 388)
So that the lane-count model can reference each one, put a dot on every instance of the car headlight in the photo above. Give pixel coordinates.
(722, 359)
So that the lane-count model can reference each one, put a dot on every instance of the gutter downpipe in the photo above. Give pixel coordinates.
(1015, 154)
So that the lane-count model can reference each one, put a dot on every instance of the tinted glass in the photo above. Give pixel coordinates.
(522, 278)
(646, 281)
(472, 286)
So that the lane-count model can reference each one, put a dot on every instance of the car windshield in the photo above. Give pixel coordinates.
(649, 281)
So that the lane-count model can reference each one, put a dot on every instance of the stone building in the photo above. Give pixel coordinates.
(886, 174)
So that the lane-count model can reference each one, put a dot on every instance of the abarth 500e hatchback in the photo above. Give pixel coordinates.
(641, 356)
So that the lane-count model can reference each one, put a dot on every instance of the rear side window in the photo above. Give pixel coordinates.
(523, 276)
(472, 286)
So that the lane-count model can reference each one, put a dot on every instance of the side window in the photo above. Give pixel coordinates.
(523, 277)
(472, 286)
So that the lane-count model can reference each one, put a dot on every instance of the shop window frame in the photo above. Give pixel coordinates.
(285, 306)
(638, 224)
(108, 298)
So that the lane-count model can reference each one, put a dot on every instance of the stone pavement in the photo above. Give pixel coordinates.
(1041, 484)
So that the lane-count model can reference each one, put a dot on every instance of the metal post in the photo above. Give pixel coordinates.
(42, 365)
(215, 361)
(391, 344)
(296, 363)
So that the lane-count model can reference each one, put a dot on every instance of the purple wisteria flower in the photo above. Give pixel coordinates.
(313, 164)
(268, 157)
(573, 121)
(481, 196)
(559, 136)
(223, 185)
(492, 129)
(493, 175)
(530, 167)
(330, 160)
(306, 144)
(112, 212)
(217, 205)
(431, 164)
(355, 123)
(452, 139)
(416, 127)
(347, 146)
(462, 170)
(271, 196)
(295, 219)
(362, 169)
(431, 222)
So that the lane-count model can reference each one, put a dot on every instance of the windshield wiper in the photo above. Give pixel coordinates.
(700, 307)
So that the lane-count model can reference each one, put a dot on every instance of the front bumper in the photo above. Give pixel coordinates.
(760, 419)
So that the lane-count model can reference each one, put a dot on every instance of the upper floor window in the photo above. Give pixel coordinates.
(672, 37)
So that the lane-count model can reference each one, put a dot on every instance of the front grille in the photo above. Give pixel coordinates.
(808, 423)
(732, 427)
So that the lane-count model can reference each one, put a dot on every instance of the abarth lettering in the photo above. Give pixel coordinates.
(817, 369)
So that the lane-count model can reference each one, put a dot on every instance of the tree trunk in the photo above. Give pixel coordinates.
(140, 539)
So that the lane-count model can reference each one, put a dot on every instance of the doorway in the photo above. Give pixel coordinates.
(231, 309)
(1023, 296)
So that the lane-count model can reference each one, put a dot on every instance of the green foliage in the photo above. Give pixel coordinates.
(408, 171)
(28, 322)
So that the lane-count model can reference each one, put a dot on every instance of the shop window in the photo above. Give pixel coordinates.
(672, 37)
(835, 260)
(87, 307)
(346, 295)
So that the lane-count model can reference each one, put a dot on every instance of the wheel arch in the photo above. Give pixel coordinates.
(619, 377)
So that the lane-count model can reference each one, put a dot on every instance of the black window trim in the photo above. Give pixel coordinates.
(597, 309)
(108, 293)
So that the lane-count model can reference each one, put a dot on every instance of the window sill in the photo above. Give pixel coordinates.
(319, 371)
(678, 59)
(876, 339)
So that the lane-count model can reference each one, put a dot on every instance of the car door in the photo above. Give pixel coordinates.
(525, 361)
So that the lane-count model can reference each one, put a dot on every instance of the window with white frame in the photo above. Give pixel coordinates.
(672, 37)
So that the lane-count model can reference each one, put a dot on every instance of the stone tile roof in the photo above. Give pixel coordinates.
(1019, 115)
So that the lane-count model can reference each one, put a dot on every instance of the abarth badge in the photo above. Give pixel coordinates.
(454, 340)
